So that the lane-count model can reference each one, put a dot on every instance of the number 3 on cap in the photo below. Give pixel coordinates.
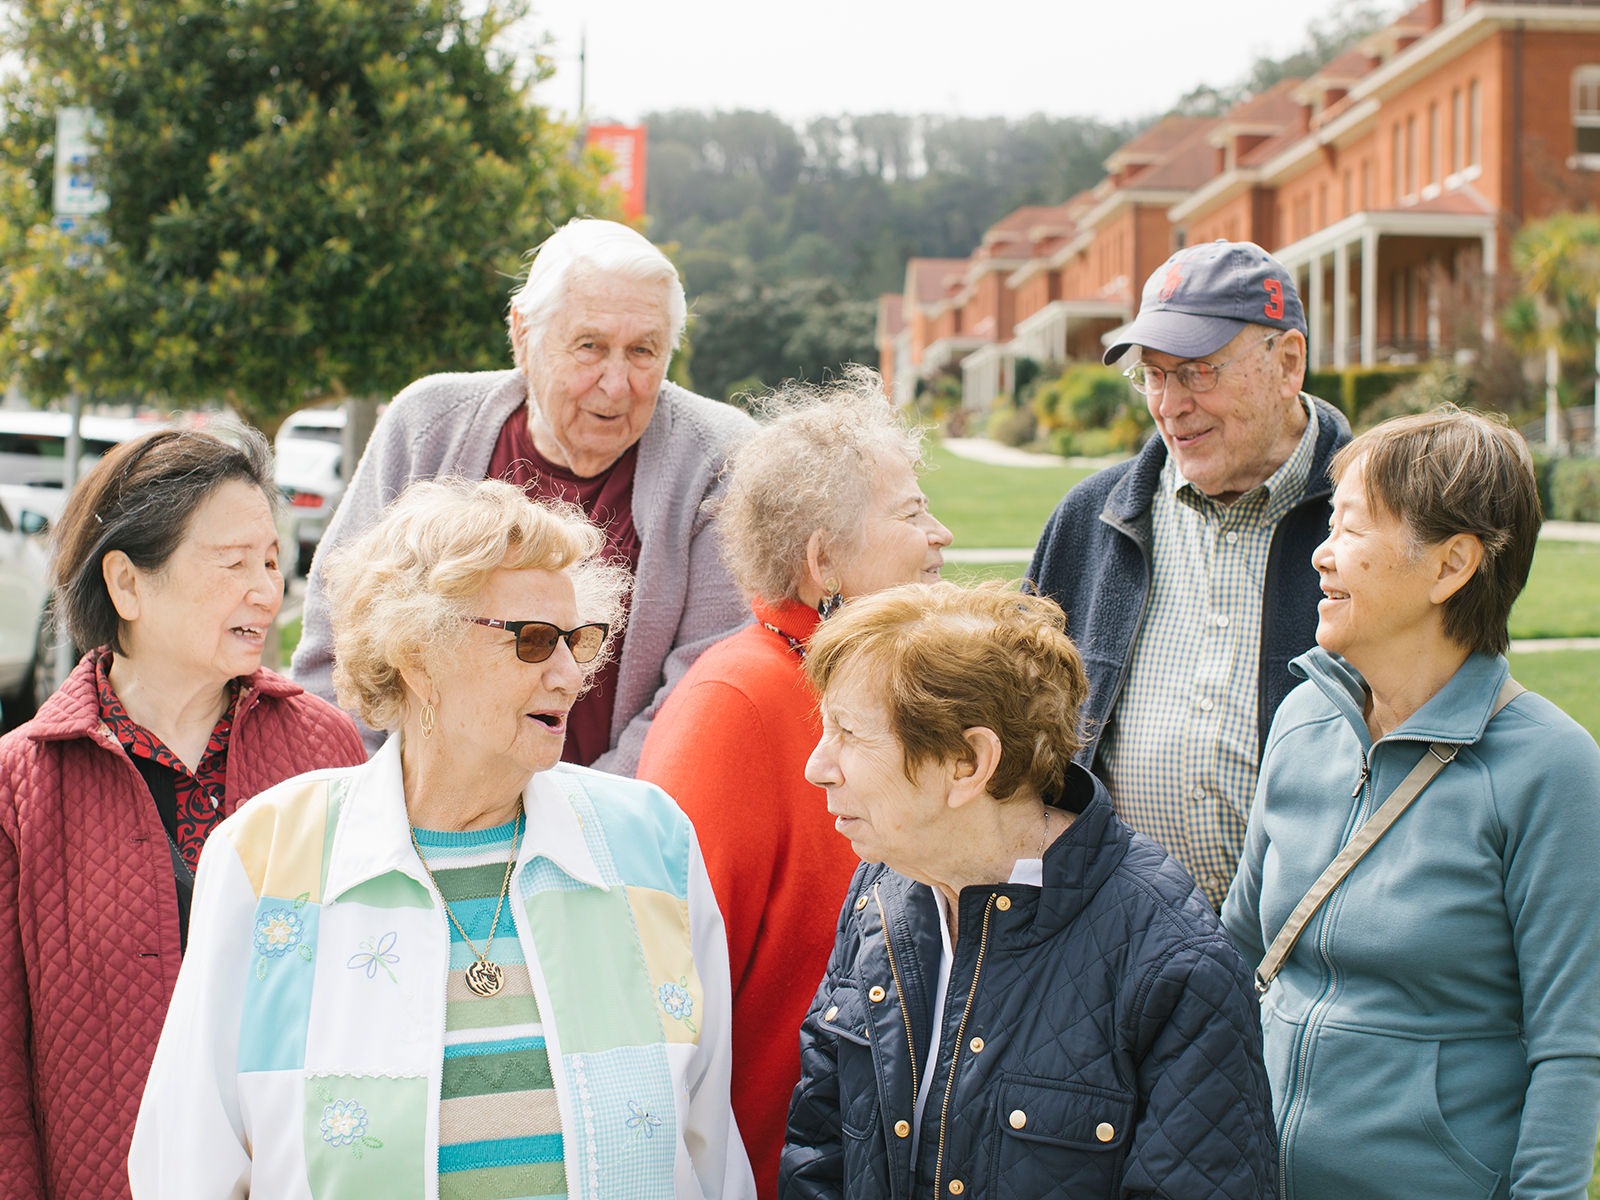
(1274, 305)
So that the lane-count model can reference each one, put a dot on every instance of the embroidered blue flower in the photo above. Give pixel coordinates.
(343, 1122)
(278, 932)
(642, 1123)
(676, 1000)
(374, 955)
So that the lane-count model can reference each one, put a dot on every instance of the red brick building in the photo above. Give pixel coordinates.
(1391, 182)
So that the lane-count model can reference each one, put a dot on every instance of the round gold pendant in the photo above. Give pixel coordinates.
(484, 977)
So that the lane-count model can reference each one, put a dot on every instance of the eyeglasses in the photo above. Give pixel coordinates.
(537, 640)
(1197, 376)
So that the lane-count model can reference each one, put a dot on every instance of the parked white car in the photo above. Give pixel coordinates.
(309, 450)
(33, 452)
(27, 672)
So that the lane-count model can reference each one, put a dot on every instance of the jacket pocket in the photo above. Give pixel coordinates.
(1059, 1139)
(844, 1016)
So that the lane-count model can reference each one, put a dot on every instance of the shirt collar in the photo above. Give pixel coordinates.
(1275, 496)
(374, 833)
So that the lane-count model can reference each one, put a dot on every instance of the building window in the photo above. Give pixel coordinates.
(1434, 155)
(1586, 114)
(1474, 125)
(1394, 174)
(1345, 193)
(1458, 131)
(1366, 184)
(1411, 156)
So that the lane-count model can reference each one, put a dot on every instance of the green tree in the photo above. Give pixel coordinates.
(804, 329)
(308, 200)
(1558, 264)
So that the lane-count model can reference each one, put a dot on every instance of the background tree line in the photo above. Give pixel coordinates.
(787, 233)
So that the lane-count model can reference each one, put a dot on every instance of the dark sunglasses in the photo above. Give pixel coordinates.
(537, 640)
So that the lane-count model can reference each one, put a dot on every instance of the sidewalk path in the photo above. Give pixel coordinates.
(984, 451)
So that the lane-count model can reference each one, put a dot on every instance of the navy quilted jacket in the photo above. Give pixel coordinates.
(1100, 1037)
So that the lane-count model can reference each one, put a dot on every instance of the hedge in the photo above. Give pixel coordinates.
(1574, 490)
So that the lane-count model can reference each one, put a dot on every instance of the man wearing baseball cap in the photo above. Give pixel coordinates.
(1186, 572)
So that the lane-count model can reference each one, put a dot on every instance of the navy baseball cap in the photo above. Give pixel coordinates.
(1204, 296)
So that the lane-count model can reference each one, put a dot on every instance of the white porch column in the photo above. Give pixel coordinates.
(1316, 354)
(1369, 297)
(1491, 254)
(1341, 305)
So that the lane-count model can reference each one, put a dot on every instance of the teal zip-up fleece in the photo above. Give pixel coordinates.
(1436, 1030)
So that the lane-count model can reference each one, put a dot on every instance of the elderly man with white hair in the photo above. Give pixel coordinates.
(585, 416)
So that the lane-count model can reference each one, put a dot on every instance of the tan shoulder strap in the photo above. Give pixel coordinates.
(1373, 828)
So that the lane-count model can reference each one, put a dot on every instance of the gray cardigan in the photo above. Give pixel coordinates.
(683, 599)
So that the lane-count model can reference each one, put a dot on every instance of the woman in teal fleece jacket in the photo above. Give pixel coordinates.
(1435, 1032)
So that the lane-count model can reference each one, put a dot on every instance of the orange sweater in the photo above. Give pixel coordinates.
(730, 745)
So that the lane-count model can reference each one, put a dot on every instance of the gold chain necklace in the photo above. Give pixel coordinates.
(483, 977)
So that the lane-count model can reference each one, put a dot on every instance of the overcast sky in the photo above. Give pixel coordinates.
(1112, 59)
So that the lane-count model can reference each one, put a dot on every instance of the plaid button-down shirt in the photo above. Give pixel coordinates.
(1179, 754)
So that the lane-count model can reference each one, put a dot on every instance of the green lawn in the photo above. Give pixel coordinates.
(288, 639)
(1563, 594)
(987, 506)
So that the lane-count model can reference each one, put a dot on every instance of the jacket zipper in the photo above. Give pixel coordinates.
(955, 1057)
(899, 991)
(1317, 1007)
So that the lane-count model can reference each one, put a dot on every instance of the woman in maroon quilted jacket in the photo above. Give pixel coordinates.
(166, 559)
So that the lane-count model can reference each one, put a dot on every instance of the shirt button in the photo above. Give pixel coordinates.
(876, 994)
(1199, 793)
(1003, 903)
(1215, 883)
(977, 1045)
(1105, 1131)
(1222, 620)
(902, 1129)
(1231, 537)
(957, 1187)
(1204, 704)
(861, 903)
(1018, 1118)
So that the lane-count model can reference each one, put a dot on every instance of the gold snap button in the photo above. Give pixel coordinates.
(831, 1013)
(957, 1187)
(902, 1129)
(1105, 1131)
(876, 994)
(977, 1045)
(1003, 903)
(1018, 1118)
(861, 903)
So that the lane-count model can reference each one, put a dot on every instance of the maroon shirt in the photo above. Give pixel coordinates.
(607, 500)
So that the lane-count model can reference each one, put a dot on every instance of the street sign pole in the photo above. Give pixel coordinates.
(77, 200)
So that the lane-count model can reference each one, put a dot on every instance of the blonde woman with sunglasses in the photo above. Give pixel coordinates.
(464, 968)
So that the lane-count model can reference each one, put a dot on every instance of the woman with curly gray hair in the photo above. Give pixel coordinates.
(821, 506)
(464, 968)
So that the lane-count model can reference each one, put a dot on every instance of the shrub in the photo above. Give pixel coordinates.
(1575, 490)
(1367, 386)
(1084, 396)
(1329, 386)
(1090, 443)
(1012, 426)
(1543, 467)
